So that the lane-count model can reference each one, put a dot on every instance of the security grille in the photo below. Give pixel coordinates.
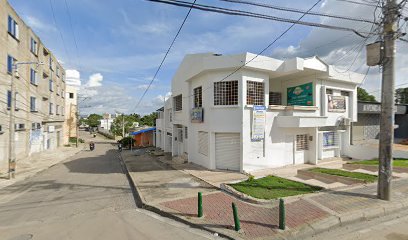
(203, 143)
(330, 139)
(255, 93)
(178, 103)
(198, 99)
(275, 98)
(302, 142)
(226, 93)
(185, 132)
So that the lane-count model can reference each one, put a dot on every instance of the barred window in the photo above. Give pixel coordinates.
(226, 93)
(178, 103)
(329, 91)
(330, 139)
(198, 99)
(185, 132)
(302, 142)
(275, 98)
(345, 93)
(255, 93)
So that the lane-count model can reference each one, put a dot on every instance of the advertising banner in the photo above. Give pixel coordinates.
(258, 123)
(197, 115)
(301, 95)
(336, 103)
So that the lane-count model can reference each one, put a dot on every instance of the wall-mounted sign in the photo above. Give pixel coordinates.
(336, 103)
(197, 115)
(258, 123)
(301, 95)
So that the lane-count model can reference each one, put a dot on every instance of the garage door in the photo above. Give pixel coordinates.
(227, 151)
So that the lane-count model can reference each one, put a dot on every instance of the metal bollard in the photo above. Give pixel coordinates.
(282, 215)
(200, 205)
(236, 218)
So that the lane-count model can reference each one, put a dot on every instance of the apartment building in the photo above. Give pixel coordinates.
(71, 112)
(39, 89)
(268, 113)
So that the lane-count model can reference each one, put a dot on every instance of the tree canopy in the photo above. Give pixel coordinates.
(363, 95)
(93, 120)
(401, 96)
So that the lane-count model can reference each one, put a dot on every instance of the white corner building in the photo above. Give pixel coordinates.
(267, 114)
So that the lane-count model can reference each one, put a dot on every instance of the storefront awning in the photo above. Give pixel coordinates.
(142, 131)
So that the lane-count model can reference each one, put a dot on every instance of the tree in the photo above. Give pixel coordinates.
(401, 96)
(93, 120)
(117, 125)
(363, 95)
(149, 120)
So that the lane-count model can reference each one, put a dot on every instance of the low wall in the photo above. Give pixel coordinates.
(369, 152)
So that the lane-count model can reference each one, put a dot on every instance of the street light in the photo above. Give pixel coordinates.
(12, 157)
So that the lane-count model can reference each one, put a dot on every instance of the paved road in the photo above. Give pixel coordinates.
(393, 227)
(87, 197)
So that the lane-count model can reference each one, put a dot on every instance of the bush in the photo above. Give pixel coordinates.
(126, 141)
(251, 178)
(74, 139)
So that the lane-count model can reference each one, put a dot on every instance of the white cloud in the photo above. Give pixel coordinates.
(145, 86)
(95, 80)
(160, 99)
(37, 24)
(73, 77)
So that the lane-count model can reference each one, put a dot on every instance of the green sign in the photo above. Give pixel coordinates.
(301, 95)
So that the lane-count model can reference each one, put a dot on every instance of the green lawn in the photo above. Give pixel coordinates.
(272, 187)
(342, 173)
(398, 162)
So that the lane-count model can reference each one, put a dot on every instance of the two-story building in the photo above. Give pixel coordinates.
(268, 113)
(39, 89)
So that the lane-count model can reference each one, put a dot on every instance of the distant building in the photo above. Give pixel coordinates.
(40, 89)
(71, 112)
(105, 124)
(269, 113)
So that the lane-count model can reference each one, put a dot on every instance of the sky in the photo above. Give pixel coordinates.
(113, 48)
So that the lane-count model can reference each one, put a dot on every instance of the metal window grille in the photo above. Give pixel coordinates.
(33, 104)
(330, 139)
(185, 132)
(178, 103)
(329, 91)
(198, 98)
(302, 142)
(275, 98)
(255, 93)
(203, 143)
(226, 93)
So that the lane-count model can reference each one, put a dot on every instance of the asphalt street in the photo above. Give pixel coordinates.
(85, 197)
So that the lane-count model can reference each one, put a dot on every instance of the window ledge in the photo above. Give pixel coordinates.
(330, 148)
(20, 130)
(34, 111)
(225, 106)
(9, 33)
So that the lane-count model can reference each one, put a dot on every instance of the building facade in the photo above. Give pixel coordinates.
(39, 89)
(268, 113)
(71, 112)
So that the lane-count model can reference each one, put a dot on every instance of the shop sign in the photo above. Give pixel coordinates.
(336, 103)
(301, 95)
(258, 123)
(197, 115)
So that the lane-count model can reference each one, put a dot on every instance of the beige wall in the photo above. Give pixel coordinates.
(71, 103)
(50, 133)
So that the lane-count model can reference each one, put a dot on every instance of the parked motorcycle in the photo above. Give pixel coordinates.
(120, 147)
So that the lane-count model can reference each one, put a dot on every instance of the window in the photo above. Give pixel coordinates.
(58, 90)
(275, 98)
(302, 142)
(178, 103)
(1, 129)
(329, 91)
(185, 133)
(170, 116)
(345, 93)
(19, 126)
(57, 110)
(10, 62)
(51, 63)
(198, 98)
(51, 111)
(13, 27)
(203, 143)
(51, 85)
(255, 93)
(33, 46)
(33, 104)
(35, 126)
(226, 93)
(62, 94)
(63, 77)
(8, 99)
(62, 111)
(71, 95)
(33, 77)
(57, 71)
(330, 139)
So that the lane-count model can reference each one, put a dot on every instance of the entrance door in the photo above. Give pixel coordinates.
(301, 148)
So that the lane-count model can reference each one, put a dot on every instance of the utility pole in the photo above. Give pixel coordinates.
(390, 32)
(11, 153)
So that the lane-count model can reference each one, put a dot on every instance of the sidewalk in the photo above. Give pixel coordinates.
(174, 193)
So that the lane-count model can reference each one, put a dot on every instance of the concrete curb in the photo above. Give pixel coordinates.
(140, 203)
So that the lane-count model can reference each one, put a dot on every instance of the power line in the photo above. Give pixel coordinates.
(298, 11)
(227, 11)
(165, 56)
(59, 30)
(73, 32)
(263, 50)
